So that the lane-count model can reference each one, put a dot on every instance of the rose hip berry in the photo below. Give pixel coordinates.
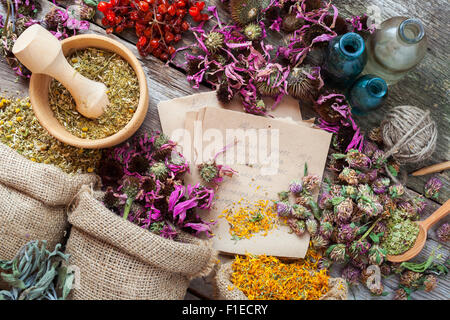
(158, 24)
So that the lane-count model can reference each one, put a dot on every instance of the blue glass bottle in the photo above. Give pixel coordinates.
(345, 59)
(367, 94)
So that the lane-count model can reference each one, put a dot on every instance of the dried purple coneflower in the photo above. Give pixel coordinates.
(432, 188)
(304, 83)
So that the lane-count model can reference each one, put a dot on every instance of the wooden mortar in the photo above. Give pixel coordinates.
(39, 86)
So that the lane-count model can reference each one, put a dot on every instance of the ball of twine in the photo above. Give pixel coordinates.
(409, 134)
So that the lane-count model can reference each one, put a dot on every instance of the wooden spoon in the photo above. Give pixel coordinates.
(42, 53)
(424, 226)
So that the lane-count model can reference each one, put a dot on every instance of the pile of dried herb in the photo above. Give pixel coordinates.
(248, 219)
(21, 131)
(123, 94)
(143, 180)
(36, 274)
(361, 215)
(268, 278)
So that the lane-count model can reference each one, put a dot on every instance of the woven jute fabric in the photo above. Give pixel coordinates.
(118, 260)
(225, 290)
(33, 201)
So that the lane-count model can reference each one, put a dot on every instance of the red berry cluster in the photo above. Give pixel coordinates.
(159, 24)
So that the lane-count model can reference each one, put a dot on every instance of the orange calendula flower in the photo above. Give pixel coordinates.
(268, 278)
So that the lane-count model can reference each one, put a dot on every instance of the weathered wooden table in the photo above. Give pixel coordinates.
(426, 87)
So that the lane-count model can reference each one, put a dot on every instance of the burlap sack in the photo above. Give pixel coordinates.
(119, 260)
(337, 287)
(33, 201)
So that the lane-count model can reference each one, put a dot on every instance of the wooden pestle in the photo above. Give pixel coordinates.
(42, 53)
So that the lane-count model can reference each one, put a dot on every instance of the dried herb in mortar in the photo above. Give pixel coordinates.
(123, 94)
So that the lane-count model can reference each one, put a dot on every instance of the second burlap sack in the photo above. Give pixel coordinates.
(116, 259)
(225, 290)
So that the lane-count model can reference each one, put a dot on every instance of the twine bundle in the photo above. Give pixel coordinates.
(409, 134)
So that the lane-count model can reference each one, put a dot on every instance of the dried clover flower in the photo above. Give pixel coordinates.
(400, 294)
(410, 279)
(326, 229)
(337, 253)
(381, 185)
(430, 282)
(346, 233)
(360, 248)
(420, 203)
(396, 191)
(432, 188)
(300, 212)
(351, 274)
(349, 175)
(378, 159)
(304, 199)
(355, 159)
(443, 233)
(377, 255)
(377, 291)
(284, 209)
(344, 210)
(312, 226)
(324, 201)
(311, 182)
(385, 269)
(296, 187)
(324, 263)
(376, 136)
(349, 191)
(297, 226)
(318, 241)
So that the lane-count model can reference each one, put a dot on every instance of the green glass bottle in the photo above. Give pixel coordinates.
(396, 48)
